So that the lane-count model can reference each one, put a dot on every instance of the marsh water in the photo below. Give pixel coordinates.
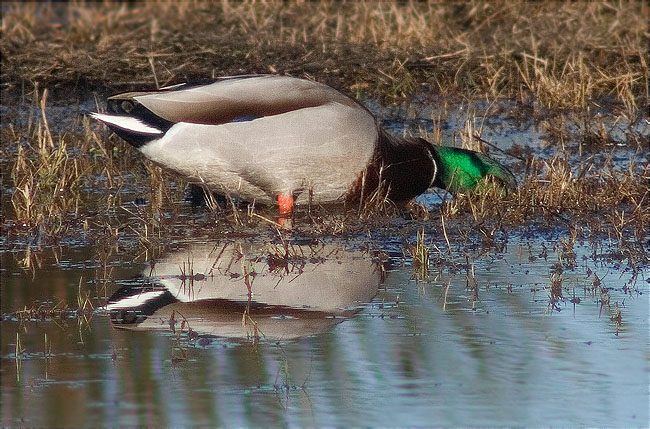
(258, 329)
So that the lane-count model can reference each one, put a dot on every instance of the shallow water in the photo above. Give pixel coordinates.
(211, 329)
(336, 344)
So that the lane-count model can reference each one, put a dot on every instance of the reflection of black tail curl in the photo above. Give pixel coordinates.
(133, 304)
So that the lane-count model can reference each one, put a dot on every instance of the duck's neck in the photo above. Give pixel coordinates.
(405, 166)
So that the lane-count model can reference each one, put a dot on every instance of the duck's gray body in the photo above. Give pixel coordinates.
(258, 137)
(266, 153)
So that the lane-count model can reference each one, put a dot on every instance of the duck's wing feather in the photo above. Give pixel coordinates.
(240, 98)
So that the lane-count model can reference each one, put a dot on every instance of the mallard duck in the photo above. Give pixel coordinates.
(278, 139)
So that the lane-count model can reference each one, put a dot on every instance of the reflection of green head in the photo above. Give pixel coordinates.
(461, 170)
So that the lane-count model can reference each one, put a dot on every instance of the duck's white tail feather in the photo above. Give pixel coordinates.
(134, 300)
(127, 123)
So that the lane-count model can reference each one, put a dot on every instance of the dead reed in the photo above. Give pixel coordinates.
(45, 177)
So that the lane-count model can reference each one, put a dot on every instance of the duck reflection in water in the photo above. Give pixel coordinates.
(244, 290)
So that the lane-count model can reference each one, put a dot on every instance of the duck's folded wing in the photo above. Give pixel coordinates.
(240, 98)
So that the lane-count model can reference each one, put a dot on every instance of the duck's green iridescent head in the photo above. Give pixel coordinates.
(461, 170)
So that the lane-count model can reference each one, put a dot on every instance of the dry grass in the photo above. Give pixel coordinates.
(585, 202)
(557, 55)
(58, 179)
(45, 177)
(420, 254)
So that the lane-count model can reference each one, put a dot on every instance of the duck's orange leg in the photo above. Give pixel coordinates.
(285, 205)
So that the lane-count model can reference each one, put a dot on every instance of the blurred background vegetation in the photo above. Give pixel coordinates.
(557, 54)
